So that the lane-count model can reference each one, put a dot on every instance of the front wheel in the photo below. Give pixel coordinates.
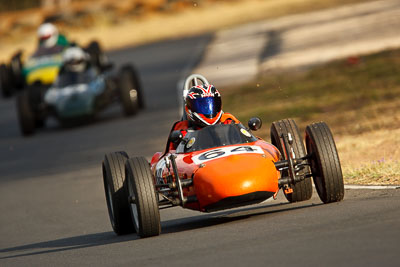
(130, 90)
(117, 193)
(324, 162)
(16, 71)
(5, 82)
(142, 195)
(301, 190)
(26, 115)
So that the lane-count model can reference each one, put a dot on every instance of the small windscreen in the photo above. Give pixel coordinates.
(71, 78)
(215, 136)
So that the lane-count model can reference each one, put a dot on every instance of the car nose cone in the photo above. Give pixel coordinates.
(227, 177)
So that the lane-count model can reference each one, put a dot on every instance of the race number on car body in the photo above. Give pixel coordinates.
(225, 152)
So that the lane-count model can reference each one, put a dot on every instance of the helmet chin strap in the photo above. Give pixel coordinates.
(205, 122)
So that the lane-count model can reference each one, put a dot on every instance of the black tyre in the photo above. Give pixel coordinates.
(139, 88)
(40, 123)
(130, 91)
(5, 82)
(26, 115)
(144, 204)
(16, 71)
(301, 190)
(36, 93)
(117, 193)
(325, 164)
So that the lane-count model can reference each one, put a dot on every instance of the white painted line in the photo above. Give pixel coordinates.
(301, 40)
(368, 187)
(372, 187)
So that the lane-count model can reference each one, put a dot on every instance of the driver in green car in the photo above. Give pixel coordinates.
(49, 36)
(43, 66)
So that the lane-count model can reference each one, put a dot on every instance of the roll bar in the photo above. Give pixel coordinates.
(191, 80)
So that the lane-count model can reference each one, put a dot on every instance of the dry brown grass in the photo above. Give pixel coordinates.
(114, 30)
(360, 103)
(371, 158)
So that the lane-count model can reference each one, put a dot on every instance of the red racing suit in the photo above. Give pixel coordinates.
(183, 126)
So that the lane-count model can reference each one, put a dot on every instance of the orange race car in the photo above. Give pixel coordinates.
(219, 167)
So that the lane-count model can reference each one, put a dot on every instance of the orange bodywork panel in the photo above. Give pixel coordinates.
(224, 177)
(230, 176)
(234, 176)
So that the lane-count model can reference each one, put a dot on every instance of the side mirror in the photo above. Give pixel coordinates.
(175, 136)
(255, 123)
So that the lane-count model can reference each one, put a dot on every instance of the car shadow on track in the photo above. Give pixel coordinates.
(168, 227)
(65, 244)
(212, 219)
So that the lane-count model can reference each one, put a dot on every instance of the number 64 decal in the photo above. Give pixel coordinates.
(226, 151)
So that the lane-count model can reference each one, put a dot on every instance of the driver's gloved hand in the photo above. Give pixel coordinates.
(229, 121)
(183, 132)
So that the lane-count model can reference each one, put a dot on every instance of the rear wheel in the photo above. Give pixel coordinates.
(40, 123)
(144, 204)
(301, 190)
(16, 71)
(130, 91)
(5, 85)
(325, 164)
(26, 115)
(117, 193)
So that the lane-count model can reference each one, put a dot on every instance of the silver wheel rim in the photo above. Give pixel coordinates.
(133, 95)
(135, 215)
(134, 211)
(110, 205)
(315, 170)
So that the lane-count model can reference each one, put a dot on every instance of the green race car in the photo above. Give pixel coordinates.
(41, 67)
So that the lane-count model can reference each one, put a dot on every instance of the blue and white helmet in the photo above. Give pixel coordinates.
(203, 105)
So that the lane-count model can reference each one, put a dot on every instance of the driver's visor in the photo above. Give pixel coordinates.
(76, 61)
(45, 37)
(207, 106)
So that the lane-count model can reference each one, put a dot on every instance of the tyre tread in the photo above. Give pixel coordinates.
(26, 116)
(327, 158)
(114, 167)
(147, 204)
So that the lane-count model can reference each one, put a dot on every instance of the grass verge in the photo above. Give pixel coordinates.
(358, 97)
(114, 30)
(379, 172)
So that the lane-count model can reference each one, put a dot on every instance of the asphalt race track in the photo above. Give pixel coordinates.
(53, 210)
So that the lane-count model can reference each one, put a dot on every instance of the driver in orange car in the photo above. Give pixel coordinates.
(203, 107)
